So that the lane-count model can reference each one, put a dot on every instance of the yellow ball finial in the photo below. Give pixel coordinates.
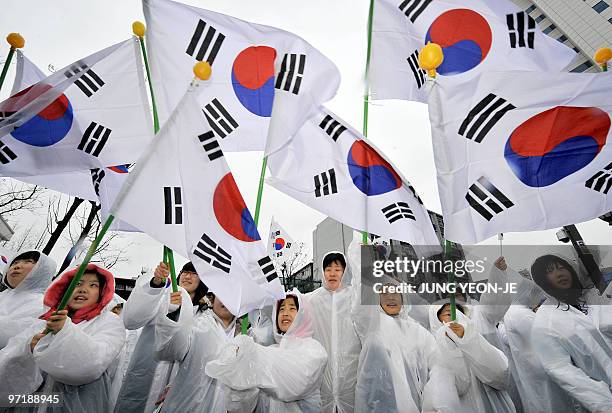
(202, 70)
(431, 57)
(15, 40)
(138, 28)
(603, 55)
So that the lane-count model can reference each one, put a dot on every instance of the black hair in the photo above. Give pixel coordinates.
(101, 281)
(28, 255)
(278, 305)
(199, 294)
(570, 296)
(458, 306)
(332, 257)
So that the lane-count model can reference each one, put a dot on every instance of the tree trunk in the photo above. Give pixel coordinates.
(61, 225)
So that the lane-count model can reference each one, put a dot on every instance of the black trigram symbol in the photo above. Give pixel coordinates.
(413, 8)
(89, 82)
(210, 145)
(173, 205)
(208, 49)
(94, 139)
(601, 181)
(486, 199)
(291, 72)
(219, 118)
(6, 154)
(325, 183)
(6, 115)
(414, 192)
(489, 110)
(607, 217)
(213, 254)
(267, 267)
(419, 74)
(398, 210)
(332, 127)
(97, 174)
(521, 36)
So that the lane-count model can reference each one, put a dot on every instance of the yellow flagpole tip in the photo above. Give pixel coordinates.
(431, 57)
(603, 55)
(138, 28)
(15, 40)
(202, 70)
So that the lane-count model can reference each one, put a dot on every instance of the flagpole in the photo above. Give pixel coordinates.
(602, 56)
(17, 42)
(138, 28)
(366, 94)
(430, 58)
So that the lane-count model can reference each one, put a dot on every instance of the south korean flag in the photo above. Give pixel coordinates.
(522, 152)
(475, 36)
(253, 66)
(192, 204)
(92, 114)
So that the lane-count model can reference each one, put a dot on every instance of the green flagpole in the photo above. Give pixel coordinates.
(139, 30)
(430, 58)
(17, 42)
(366, 94)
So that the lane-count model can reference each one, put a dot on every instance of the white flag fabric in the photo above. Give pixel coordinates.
(476, 37)
(91, 114)
(252, 67)
(281, 246)
(332, 168)
(99, 184)
(522, 152)
(182, 193)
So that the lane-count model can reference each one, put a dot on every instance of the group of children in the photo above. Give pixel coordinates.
(547, 349)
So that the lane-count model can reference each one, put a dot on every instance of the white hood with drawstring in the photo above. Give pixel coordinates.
(21, 306)
(471, 374)
(289, 372)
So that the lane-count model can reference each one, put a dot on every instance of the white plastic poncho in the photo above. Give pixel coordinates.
(474, 368)
(397, 352)
(75, 362)
(574, 352)
(21, 306)
(289, 372)
(191, 341)
(335, 330)
(146, 377)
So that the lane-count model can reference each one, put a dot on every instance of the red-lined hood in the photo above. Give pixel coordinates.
(55, 292)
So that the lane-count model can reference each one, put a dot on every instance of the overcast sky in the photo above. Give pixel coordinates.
(61, 31)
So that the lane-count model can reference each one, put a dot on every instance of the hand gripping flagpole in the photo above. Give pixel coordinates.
(17, 42)
(602, 56)
(430, 58)
(138, 28)
(366, 94)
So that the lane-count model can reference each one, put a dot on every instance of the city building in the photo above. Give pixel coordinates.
(584, 25)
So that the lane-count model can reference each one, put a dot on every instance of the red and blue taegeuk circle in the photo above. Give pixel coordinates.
(50, 125)
(279, 244)
(253, 79)
(465, 38)
(556, 143)
(231, 211)
(370, 173)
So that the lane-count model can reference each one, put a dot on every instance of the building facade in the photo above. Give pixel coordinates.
(584, 25)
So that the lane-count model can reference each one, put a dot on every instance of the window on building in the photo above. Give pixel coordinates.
(549, 29)
(582, 67)
(540, 18)
(563, 38)
(601, 6)
(530, 9)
